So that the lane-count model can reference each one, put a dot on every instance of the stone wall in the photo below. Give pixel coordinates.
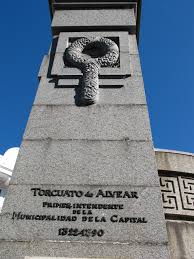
(176, 172)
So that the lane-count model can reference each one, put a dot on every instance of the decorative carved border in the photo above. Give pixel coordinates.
(177, 194)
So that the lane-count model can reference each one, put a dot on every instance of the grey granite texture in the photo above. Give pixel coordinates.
(18, 250)
(131, 91)
(135, 65)
(99, 18)
(97, 122)
(132, 42)
(103, 83)
(43, 70)
(152, 232)
(181, 239)
(86, 162)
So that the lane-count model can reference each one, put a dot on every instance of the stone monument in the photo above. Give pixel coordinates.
(85, 184)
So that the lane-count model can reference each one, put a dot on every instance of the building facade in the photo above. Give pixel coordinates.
(176, 172)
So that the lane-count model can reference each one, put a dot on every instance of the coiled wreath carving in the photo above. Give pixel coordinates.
(89, 54)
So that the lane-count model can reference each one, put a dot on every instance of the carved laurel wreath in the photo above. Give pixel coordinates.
(90, 66)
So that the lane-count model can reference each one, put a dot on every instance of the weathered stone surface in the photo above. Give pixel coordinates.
(133, 48)
(99, 18)
(86, 162)
(181, 239)
(131, 92)
(43, 70)
(18, 250)
(135, 66)
(175, 161)
(100, 122)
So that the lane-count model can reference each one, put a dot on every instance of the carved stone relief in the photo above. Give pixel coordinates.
(177, 194)
(121, 69)
(89, 54)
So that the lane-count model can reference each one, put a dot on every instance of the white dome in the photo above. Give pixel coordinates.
(9, 158)
(7, 163)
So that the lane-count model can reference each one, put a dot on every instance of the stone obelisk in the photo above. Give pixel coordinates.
(85, 184)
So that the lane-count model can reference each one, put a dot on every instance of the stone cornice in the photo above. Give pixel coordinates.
(75, 4)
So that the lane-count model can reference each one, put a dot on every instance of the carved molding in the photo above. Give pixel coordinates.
(89, 54)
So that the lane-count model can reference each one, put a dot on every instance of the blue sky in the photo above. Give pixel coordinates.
(167, 57)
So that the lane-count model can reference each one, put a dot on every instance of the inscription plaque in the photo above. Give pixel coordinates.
(94, 213)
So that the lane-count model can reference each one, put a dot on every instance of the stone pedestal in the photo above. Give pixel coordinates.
(85, 184)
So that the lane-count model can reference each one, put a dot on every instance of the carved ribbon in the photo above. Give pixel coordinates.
(90, 66)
